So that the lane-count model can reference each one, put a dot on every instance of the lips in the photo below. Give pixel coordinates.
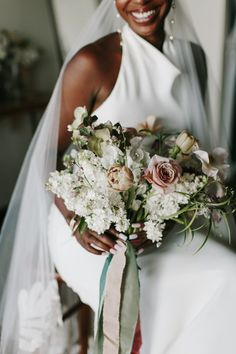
(142, 16)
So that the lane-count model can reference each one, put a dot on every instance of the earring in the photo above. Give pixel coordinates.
(172, 20)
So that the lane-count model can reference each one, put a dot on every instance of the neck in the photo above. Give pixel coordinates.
(156, 39)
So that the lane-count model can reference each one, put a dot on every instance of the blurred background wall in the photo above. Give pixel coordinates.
(71, 16)
(31, 19)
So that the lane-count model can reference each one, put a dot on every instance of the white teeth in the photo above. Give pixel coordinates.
(143, 15)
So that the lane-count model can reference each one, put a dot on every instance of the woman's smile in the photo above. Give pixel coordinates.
(145, 17)
(142, 16)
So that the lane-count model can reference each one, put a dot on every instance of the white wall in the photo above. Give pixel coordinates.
(31, 19)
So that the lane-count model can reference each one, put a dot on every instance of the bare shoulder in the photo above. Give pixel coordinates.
(95, 58)
(88, 80)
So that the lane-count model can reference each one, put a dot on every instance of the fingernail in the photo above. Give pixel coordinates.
(118, 247)
(140, 251)
(123, 237)
(136, 226)
(105, 254)
(120, 243)
(133, 237)
(112, 251)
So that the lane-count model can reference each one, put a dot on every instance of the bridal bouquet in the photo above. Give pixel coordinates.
(131, 178)
(120, 177)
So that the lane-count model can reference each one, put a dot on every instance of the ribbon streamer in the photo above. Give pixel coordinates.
(119, 303)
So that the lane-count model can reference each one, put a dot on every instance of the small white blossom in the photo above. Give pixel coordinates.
(154, 231)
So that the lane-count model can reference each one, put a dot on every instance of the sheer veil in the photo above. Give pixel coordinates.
(29, 298)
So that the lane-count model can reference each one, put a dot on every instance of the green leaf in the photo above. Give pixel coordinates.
(227, 227)
(207, 236)
(188, 226)
(131, 196)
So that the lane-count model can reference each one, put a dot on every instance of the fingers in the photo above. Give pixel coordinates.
(138, 225)
(117, 234)
(105, 239)
(98, 244)
(93, 250)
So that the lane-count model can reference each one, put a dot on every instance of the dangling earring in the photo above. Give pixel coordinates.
(172, 20)
(119, 25)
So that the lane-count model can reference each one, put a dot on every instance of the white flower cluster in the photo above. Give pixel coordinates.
(189, 183)
(137, 158)
(154, 231)
(86, 192)
(114, 174)
(163, 206)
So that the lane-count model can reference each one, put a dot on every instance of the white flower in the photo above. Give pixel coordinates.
(162, 206)
(110, 155)
(190, 183)
(79, 113)
(204, 211)
(154, 231)
(152, 123)
(214, 165)
(207, 167)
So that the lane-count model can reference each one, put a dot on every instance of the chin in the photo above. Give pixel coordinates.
(146, 29)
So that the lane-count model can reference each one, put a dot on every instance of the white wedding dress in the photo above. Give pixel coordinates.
(188, 301)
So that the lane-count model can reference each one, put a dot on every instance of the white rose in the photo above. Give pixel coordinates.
(79, 113)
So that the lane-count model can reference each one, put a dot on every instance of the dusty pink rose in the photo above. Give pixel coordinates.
(163, 173)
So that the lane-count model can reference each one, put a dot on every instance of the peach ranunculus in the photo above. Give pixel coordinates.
(120, 178)
(152, 124)
(163, 173)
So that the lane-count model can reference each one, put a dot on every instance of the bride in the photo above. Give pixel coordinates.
(150, 66)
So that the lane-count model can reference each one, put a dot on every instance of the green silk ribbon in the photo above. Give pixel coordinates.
(119, 303)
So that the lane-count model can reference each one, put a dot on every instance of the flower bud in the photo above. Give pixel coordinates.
(186, 142)
(79, 113)
(120, 178)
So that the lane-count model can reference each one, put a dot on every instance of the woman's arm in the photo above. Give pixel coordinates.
(83, 84)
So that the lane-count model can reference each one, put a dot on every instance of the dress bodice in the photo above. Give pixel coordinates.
(147, 84)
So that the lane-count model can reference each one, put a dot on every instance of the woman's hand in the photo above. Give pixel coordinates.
(112, 241)
(138, 239)
(100, 244)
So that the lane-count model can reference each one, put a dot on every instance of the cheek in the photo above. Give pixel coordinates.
(166, 5)
(121, 5)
